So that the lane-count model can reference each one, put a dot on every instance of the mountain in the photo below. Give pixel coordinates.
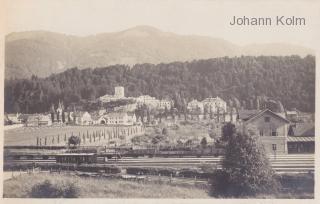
(42, 53)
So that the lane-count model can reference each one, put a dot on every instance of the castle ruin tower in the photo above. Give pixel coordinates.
(119, 91)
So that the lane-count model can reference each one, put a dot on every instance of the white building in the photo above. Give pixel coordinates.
(165, 104)
(117, 118)
(194, 105)
(82, 118)
(148, 100)
(215, 104)
(153, 102)
(38, 120)
(14, 118)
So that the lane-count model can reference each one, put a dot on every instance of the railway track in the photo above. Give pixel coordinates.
(295, 163)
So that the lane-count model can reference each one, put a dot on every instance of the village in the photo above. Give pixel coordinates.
(131, 120)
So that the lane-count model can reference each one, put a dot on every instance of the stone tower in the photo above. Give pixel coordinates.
(119, 91)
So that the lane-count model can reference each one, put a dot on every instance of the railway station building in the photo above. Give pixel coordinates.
(272, 129)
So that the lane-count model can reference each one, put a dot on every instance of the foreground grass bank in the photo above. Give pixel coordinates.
(292, 187)
(21, 187)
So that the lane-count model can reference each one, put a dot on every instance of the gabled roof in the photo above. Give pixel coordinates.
(247, 114)
(266, 111)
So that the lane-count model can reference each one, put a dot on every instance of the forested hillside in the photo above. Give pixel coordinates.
(290, 79)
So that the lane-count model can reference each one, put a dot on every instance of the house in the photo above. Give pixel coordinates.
(230, 117)
(147, 100)
(195, 105)
(14, 118)
(82, 118)
(32, 121)
(301, 138)
(117, 118)
(163, 104)
(215, 104)
(23, 117)
(38, 120)
(152, 102)
(272, 130)
(292, 115)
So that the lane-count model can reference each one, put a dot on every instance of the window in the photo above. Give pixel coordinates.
(274, 147)
(266, 119)
(274, 132)
(261, 132)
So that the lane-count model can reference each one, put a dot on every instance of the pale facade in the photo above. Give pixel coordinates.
(38, 120)
(272, 130)
(153, 102)
(165, 104)
(194, 105)
(148, 100)
(83, 118)
(14, 118)
(215, 104)
(119, 91)
(117, 118)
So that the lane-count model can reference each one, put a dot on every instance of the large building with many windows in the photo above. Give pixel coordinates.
(117, 118)
(215, 105)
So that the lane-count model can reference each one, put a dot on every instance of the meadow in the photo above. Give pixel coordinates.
(21, 187)
(29, 135)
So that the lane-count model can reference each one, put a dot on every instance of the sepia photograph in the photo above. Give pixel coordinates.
(159, 99)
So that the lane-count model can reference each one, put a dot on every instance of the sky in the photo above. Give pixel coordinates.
(187, 17)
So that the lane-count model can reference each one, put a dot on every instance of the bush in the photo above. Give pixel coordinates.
(246, 170)
(165, 131)
(47, 190)
(71, 191)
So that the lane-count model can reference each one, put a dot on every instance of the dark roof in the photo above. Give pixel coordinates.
(246, 114)
(265, 111)
(303, 129)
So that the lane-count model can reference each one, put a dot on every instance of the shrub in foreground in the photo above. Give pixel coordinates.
(245, 169)
(48, 190)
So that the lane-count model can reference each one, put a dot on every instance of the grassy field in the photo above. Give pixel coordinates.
(295, 187)
(28, 135)
(101, 188)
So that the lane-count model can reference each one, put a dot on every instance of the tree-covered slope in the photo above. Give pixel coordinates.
(289, 79)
